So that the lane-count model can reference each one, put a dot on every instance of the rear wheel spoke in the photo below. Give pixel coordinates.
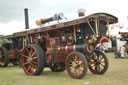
(33, 53)
(25, 56)
(25, 63)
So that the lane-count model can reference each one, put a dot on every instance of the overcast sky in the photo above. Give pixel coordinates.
(12, 11)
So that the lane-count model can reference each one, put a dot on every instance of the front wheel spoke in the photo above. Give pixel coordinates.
(102, 65)
(102, 61)
(93, 66)
(75, 72)
(101, 68)
(75, 60)
(78, 72)
(101, 58)
(80, 69)
(72, 70)
(71, 62)
(80, 63)
(70, 65)
(98, 68)
(91, 62)
(98, 57)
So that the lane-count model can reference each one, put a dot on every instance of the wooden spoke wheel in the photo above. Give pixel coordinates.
(98, 64)
(33, 59)
(76, 65)
(58, 67)
(4, 57)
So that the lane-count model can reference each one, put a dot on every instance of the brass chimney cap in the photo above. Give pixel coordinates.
(81, 10)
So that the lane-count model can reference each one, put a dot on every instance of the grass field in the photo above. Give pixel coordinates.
(117, 74)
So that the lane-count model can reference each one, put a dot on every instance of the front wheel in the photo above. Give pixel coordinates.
(76, 65)
(98, 63)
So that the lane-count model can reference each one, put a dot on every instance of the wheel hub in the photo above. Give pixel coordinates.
(97, 62)
(29, 59)
(74, 65)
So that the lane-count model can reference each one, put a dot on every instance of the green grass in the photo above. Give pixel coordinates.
(117, 74)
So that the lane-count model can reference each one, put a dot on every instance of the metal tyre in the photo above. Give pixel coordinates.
(76, 65)
(33, 59)
(4, 57)
(99, 63)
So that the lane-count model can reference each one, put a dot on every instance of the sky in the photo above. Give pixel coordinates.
(12, 11)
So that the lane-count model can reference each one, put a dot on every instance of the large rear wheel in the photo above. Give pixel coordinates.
(76, 65)
(4, 57)
(98, 63)
(33, 59)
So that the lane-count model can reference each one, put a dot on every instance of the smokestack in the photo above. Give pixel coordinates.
(81, 12)
(26, 18)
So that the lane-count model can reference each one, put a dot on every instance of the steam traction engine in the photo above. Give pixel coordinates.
(9, 50)
(67, 45)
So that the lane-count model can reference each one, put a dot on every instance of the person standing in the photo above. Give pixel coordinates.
(122, 51)
(102, 48)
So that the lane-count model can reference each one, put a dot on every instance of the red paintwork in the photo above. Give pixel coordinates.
(55, 42)
(20, 51)
(61, 55)
(49, 57)
(102, 39)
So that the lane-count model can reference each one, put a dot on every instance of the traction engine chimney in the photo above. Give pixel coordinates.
(81, 12)
(26, 18)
